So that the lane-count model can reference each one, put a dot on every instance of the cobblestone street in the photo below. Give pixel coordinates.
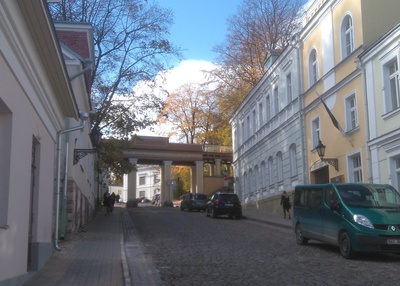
(188, 248)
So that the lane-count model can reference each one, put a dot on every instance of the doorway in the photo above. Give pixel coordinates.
(320, 176)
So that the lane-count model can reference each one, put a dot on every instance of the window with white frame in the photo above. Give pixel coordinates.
(248, 130)
(243, 132)
(289, 95)
(315, 132)
(351, 112)
(347, 36)
(268, 108)
(313, 67)
(255, 127)
(260, 115)
(396, 180)
(142, 180)
(279, 167)
(276, 100)
(270, 171)
(293, 160)
(355, 168)
(391, 90)
(263, 172)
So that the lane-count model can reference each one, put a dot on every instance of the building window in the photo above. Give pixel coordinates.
(270, 171)
(315, 132)
(351, 112)
(142, 180)
(289, 88)
(397, 172)
(260, 115)
(355, 169)
(248, 129)
(392, 100)
(347, 36)
(263, 172)
(279, 167)
(276, 100)
(293, 160)
(313, 67)
(243, 132)
(268, 110)
(255, 127)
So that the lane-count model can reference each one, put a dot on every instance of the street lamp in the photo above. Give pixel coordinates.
(321, 153)
(95, 137)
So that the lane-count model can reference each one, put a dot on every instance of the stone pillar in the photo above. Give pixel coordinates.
(192, 179)
(218, 167)
(199, 177)
(166, 200)
(131, 200)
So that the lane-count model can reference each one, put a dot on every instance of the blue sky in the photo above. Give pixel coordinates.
(199, 25)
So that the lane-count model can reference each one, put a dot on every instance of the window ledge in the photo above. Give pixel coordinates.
(391, 113)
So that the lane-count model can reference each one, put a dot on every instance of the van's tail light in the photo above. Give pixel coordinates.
(217, 202)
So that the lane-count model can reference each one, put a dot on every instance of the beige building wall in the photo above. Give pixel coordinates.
(339, 78)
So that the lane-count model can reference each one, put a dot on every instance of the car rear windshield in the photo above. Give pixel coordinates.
(228, 197)
(200, 197)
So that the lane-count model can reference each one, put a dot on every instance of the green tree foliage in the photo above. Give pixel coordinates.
(257, 26)
(110, 157)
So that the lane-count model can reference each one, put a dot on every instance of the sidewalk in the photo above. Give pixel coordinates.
(98, 255)
(266, 217)
(93, 257)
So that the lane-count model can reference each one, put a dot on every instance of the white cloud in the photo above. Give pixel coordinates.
(190, 71)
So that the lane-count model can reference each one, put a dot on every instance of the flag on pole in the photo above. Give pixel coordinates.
(334, 121)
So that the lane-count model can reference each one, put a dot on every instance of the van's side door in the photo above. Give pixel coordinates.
(312, 218)
(331, 219)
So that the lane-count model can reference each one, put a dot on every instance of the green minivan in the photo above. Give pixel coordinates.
(355, 217)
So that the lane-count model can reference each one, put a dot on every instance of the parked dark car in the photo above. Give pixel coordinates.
(224, 204)
(192, 201)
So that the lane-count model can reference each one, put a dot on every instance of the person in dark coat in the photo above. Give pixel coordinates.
(107, 202)
(285, 203)
(112, 201)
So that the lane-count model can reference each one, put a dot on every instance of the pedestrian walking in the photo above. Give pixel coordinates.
(112, 201)
(285, 203)
(107, 202)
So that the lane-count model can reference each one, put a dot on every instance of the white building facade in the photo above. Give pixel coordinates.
(380, 66)
(39, 106)
(268, 143)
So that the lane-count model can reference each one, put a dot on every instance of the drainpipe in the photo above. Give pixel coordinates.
(360, 66)
(84, 116)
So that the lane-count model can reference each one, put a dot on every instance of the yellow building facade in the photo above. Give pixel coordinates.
(335, 33)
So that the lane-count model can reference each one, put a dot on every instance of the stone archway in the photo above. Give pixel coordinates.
(150, 150)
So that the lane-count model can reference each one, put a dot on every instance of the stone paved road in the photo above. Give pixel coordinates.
(188, 248)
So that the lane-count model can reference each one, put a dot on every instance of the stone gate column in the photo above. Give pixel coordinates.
(193, 179)
(131, 202)
(166, 200)
(199, 177)
(218, 167)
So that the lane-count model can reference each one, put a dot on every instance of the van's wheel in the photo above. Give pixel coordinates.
(300, 239)
(346, 249)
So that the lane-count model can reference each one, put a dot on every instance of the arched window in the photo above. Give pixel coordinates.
(271, 171)
(313, 67)
(293, 160)
(279, 167)
(347, 36)
(263, 174)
